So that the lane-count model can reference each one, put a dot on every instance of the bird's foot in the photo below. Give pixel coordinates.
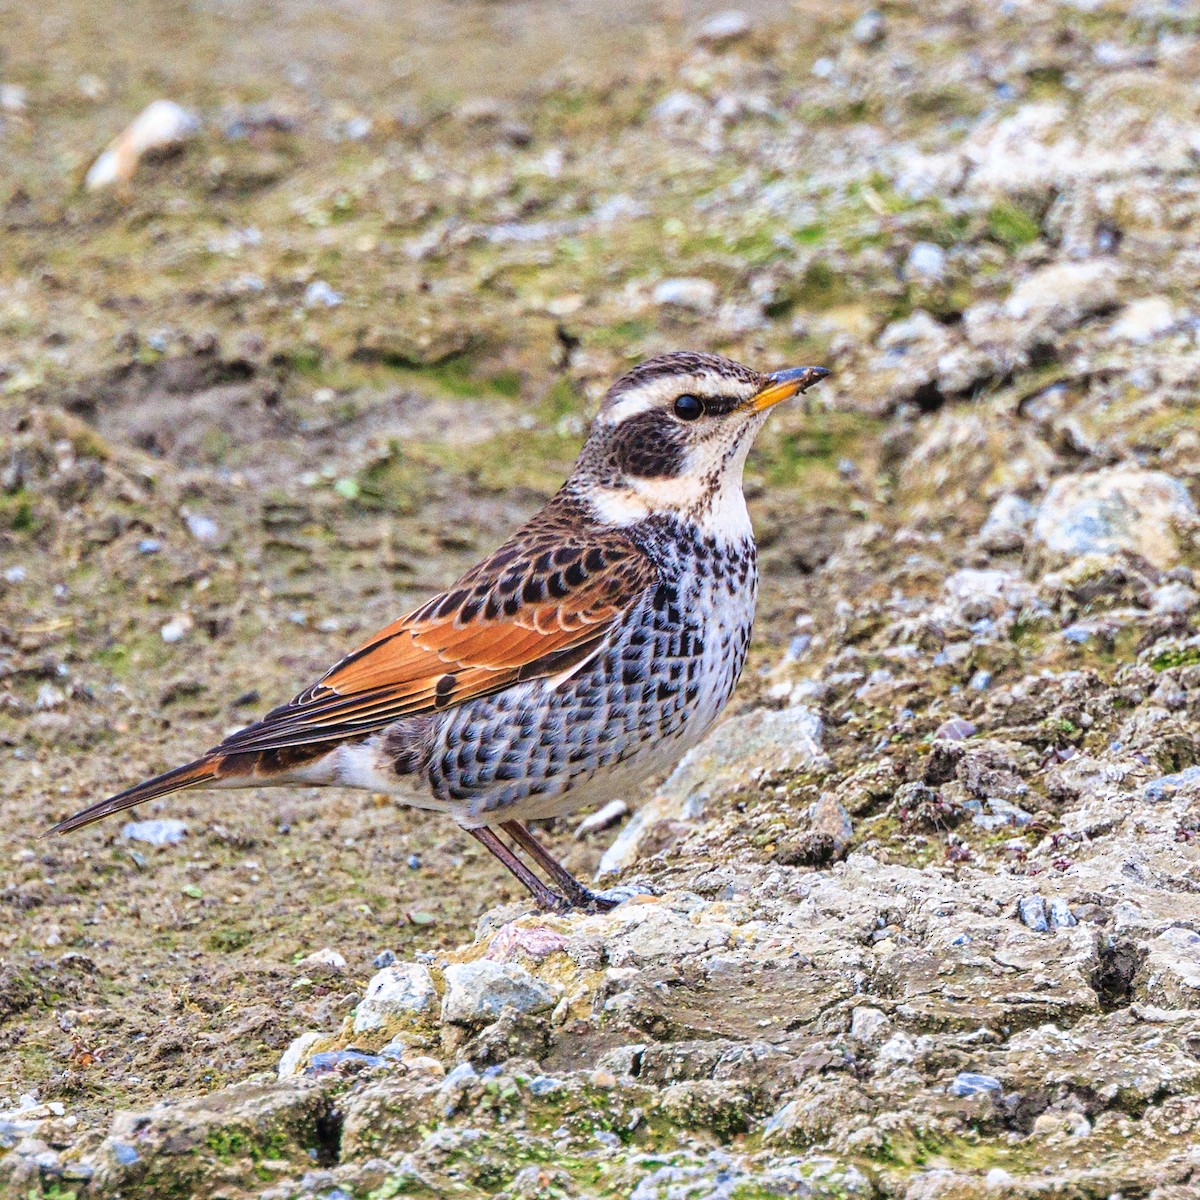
(584, 899)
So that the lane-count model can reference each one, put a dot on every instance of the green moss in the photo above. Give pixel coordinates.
(1187, 656)
(228, 940)
(1012, 226)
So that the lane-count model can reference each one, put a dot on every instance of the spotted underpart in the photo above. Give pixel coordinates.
(651, 692)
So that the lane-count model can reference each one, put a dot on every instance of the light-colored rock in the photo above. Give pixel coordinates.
(161, 126)
(699, 295)
(477, 991)
(1114, 510)
(325, 957)
(1143, 321)
(1061, 295)
(738, 752)
(926, 263)
(1007, 525)
(164, 831)
(724, 29)
(403, 990)
(295, 1056)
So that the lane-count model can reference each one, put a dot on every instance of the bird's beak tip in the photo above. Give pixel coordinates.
(783, 385)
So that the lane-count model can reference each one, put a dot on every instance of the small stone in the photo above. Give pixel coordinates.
(14, 575)
(724, 29)
(165, 831)
(48, 697)
(1165, 787)
(202, 528)
(1062, 295)
(477, 991)
(1145, 320)
(405, 989)
(956, 729)
(1174, 598)
(176, 629)
(319, 294)
(13, 98)
(602, 1078)
(926, 263)
(542, 1085)
(149, 546)
(296, 1054)
(124, 1153)
(602, 818)
(1060, 914)
(829, 818)
(1007, 525)
(870, 29)
(866, 1023)
(325, 957)
(1032, 911)
(385, 958)
(699, 295)
(968, 1083)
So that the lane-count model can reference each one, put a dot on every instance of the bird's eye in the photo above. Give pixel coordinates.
(688, 408)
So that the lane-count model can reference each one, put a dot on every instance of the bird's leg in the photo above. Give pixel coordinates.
(576, 894)
(545, 897)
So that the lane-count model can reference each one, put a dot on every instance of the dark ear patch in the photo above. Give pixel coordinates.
(650, 445)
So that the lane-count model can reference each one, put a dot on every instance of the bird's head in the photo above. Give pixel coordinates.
(672, 436)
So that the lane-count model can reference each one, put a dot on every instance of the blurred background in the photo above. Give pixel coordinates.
(303, 306)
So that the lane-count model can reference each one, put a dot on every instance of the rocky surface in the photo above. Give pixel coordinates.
(920, 918)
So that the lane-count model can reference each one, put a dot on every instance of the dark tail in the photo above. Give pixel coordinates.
(194, 774)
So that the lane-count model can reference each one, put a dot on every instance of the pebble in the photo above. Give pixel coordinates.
(1144, 320)
(699, 295)
(325, 957)
(296, 1053)
(926, 262)
(1007, 525)
(602, 818)
(405, 989)
(968, 1083)
(14, 575)
(159, 126)
(870, 29)
(477, 991)
(334, 1060)
(176, 629)
(202, 528)
(724, 29)
(149, 546)
(164, 831)
(1165, 786)
(319, 294)
(124, 1153)
(866, 1023)
(956, 729)
(13, 98)
(385, 958)
(1042, 916)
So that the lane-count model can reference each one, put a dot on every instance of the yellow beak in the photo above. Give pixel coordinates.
(783, 385)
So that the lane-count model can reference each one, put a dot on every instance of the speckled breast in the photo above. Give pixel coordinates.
(670, 667)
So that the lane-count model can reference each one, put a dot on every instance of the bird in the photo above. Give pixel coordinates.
(586, 654)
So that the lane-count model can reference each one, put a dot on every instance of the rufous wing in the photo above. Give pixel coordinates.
(530, 611)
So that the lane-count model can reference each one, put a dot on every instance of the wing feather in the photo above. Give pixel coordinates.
(542, 604)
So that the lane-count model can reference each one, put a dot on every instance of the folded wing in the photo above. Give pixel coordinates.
(538, 607)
